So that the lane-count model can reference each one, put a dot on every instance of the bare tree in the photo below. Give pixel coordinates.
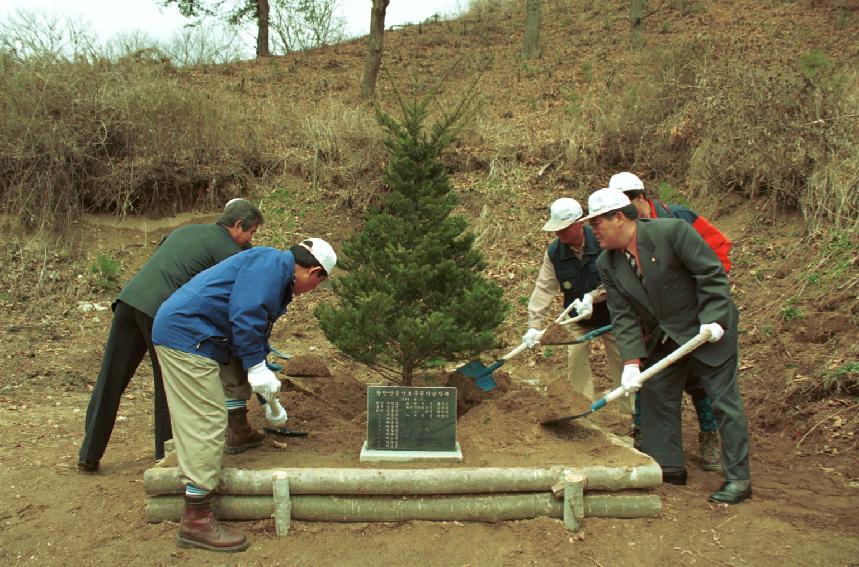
(202, 44)
(636, 15)
(374, 48)
(32, 33)
(533, 17)
(240, 11)
(305, 24)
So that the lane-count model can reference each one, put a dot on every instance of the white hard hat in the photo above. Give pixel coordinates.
(322, 251)
(563, 213)
(604, 201)
(625, 181)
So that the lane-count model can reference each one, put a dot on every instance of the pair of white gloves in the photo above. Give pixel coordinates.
(630, 379)
(583, 306)
(265, 383)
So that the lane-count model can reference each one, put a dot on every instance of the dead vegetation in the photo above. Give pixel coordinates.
(713, 106)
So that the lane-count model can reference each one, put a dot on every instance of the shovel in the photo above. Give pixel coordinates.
(673, 357)
(482, 375)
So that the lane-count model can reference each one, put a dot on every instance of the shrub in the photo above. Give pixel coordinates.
(124, 138)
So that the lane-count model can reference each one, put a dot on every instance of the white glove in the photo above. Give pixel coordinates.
(584, 306)
(716, 331)
(631, 378)
(279, 419)
(263, 381)
(532, 337)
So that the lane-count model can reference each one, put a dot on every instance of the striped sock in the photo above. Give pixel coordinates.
(233, 403)
(194, 492)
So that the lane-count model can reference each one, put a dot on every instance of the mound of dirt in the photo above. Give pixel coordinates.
(468, 395)
(500, 428)
(306, 365)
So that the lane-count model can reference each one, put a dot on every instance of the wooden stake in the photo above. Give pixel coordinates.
(282, 503)
(574, 501)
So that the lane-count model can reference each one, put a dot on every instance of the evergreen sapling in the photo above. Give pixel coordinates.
(413, 292)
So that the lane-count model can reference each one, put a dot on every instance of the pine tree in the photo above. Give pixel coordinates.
(414, 291)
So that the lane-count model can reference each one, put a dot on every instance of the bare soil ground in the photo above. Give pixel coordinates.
(803, 510)
(804, 457)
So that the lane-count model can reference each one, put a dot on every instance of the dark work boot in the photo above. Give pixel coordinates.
(732, 492)
(87, 466)
(199, 528)
(710, 450)
(240, 435)
(674, 476)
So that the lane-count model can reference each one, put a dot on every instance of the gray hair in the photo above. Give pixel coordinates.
(241, 210)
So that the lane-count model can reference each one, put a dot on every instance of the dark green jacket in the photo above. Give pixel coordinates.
(684, 287)
(183, 254)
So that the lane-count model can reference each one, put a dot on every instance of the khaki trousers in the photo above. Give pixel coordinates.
(195, 395)
(579, 367)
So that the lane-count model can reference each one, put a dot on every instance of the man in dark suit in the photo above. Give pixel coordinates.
(665, 284)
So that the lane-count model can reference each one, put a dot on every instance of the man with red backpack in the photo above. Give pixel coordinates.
(632, 186)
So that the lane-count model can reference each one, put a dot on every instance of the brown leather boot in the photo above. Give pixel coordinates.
(240, 436)
(710, 450)
(199, 528)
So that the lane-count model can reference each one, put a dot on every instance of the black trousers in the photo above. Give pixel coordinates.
(130, 338)
(661, 397)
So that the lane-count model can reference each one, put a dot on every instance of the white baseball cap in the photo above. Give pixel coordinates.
(322, 251)
(625, 181)
(563, 213)
(231, 201)
(604, 201)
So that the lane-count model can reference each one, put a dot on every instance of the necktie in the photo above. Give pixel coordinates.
(634, 265)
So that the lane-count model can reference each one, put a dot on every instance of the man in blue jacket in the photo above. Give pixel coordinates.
(180, 256)
(226, 312)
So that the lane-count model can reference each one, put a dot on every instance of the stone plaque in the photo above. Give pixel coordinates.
(411, 419)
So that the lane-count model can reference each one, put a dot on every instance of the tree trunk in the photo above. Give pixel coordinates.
(374, 48)
(262, 29)
(636, 14)
(533, 15)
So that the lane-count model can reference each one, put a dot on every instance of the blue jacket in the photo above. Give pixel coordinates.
(228, 310)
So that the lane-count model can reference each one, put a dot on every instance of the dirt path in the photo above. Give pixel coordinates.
(803, 511)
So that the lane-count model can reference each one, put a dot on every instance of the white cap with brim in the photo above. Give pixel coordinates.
(604, 201)
(625, 181)
(563, 213)
(322, 251)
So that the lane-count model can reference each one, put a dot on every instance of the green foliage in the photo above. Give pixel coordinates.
(790, 311)
(813, 63)
(413, 292)
(587, 70)
(573, 106)
(670, 194)
(106, 271)
(843, 379)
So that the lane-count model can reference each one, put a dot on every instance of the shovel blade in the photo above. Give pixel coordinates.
(481, 375)
(565, 419)
(558, 420)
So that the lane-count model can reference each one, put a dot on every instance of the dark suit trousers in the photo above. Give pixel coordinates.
(130, 338)
(661, 397)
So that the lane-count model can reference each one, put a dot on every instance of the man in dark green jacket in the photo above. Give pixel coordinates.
(665, 285)
(180, 256)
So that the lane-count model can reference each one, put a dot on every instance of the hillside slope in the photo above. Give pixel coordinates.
(796, 287)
